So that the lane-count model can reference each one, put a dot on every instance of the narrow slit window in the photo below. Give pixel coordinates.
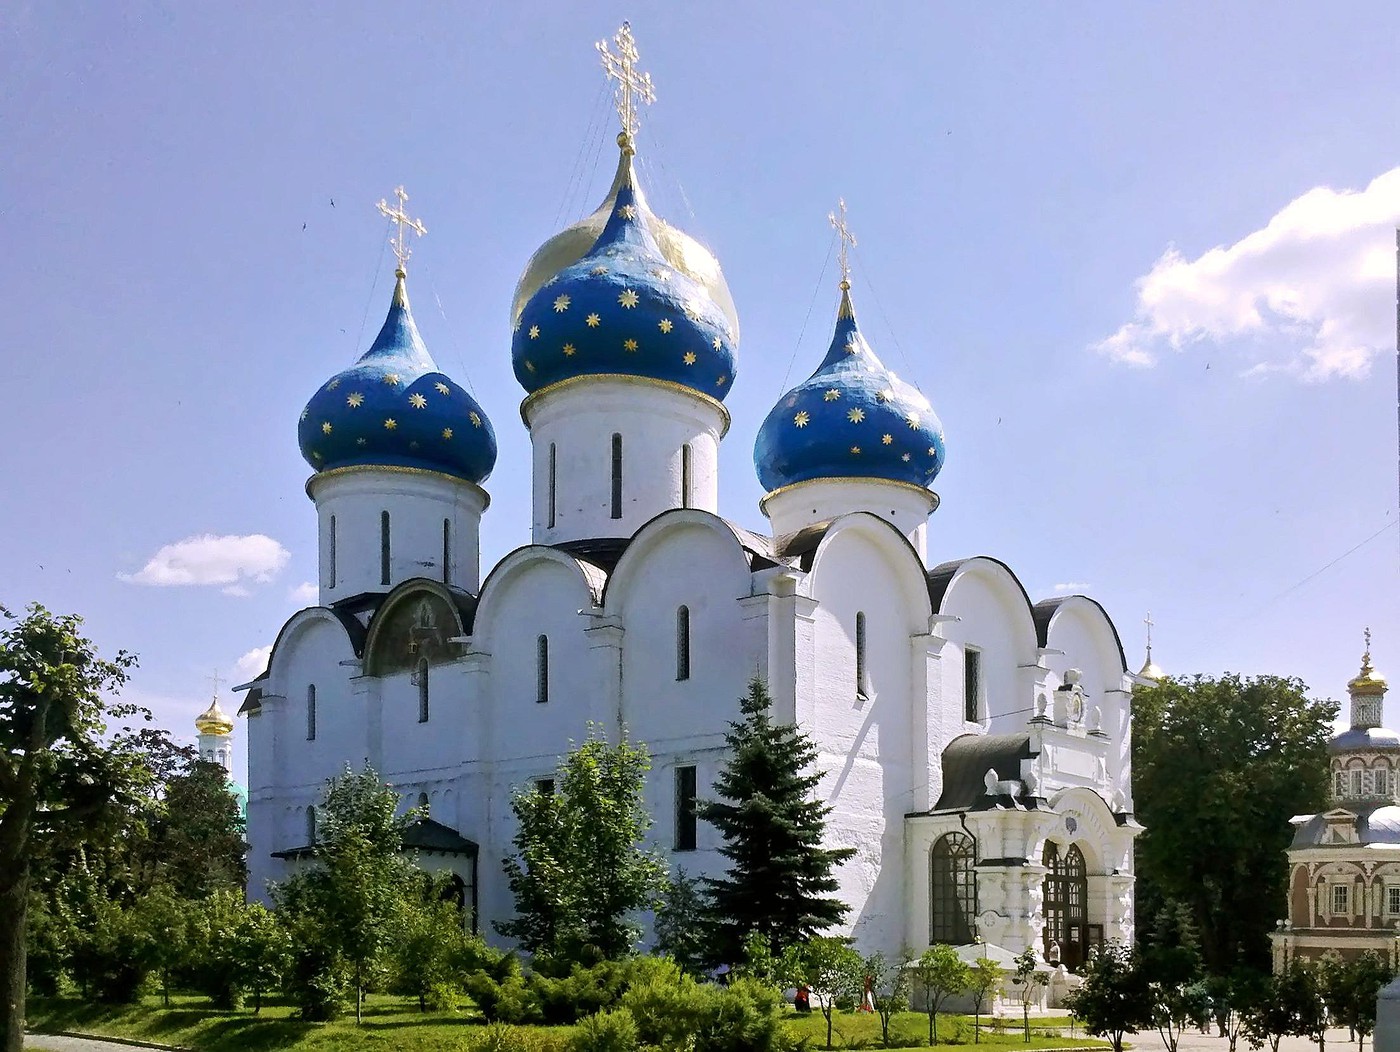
(686, 498)
(311, 712)
(423, 803)
(542, 669)
(330, 555)
(972, 683)
(553, 485)
(1382, 782)
(683, 643)
(383, 547)
(685, 808)
(311, 824)
(544, 786)
(617, 476)
(446, 551)
(862, 669)
(422, 678)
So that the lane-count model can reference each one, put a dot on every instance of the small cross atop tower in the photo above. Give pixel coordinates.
(1149, 623)
(401, 218)
(848, 240)
(216, 679)
(633, 86)
(1368, 643)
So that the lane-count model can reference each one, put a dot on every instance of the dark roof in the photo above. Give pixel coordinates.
(942, 575)
(802, 545)
(602, 552)
(966, 761)
(1376, 822)
(1365, 739)
(422, 835)
(253, 700)
(1044, 611)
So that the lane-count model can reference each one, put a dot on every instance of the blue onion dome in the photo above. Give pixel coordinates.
(394, 407)
(624, 308)
(852, 418)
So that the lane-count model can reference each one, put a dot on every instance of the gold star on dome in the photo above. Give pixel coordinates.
(856, 415)
(592, 321)
(905, 458)
(689, 358)
(883, 396)
(569, 349)
(534, 332)
(561, 304)
(475, 418)
(354, 399)
(333, 384)
(417, 401)
(599, 269)
(360, 441)
(326, 428)
(306, 412)
(801, 418)
(887, 439)
(855, 450)
(715, 341)
(447, 432)
(529, 365)
(831, 394)
(515, 325)
(390, 424)
(912, 419)
(442, 388)
(315, 455)
(665, 325)
(722, 381)
(629, 344)
(627, 212)
(852, 347)
(553, 278)
(932, 451)
(628, 298)
(392, 379)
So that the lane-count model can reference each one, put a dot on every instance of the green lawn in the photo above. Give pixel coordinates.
(395, 1023)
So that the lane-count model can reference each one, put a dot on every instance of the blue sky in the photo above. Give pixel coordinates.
(1140, 258)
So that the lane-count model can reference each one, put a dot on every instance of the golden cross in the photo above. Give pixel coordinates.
(1149, 623)
(215, 677)
(401, 218)
(1368, 641)
(848, 241)
(633, 86)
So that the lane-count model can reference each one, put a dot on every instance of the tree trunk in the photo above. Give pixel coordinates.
(359, 992)
(14, 916)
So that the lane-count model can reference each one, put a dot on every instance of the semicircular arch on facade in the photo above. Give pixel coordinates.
(1048, 613)
(297, 625)
(948, 580)
(898, 552)
(635, 563)
(515, 565)
(1085, 819)
(416, 622)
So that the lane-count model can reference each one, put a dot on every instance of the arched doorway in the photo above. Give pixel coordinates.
(952, 889)
(1066, 905)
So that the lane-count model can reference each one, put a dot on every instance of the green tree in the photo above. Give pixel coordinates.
(261, 951)
(1115, 998)
(1367, 974)
(680, 932)
(197, 835)
(1219, 766)
(941, 974)
(1027, 977)
(429, 941)
(581, 873)
(347, 901)
(889, 990)
(63, 760)
(833, 970)
(780, 880)
(984, 980)
(166, 919)
(1288, 1004)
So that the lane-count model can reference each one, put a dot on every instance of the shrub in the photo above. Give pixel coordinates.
(509, 1001)
(500, 1037)
(744, 1017)
(614, 1031)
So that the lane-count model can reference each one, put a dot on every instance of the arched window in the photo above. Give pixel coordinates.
(423, 803)
(422, 678)
(683, 643)
(553, 485)
(330, 555)
(685, 476)
(617, 476)
(1066, 904)
(952, 889)
(862, 671)
(1339, 784)
(311, 712)
(1382, 776)
(542, 669)
(311, 825)
(383, 547)
(446, 551)
(1356, 789)
(972, 684)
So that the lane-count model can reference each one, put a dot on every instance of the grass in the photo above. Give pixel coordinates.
(395, 1023)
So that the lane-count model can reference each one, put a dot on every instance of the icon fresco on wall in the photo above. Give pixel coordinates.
(418, 628)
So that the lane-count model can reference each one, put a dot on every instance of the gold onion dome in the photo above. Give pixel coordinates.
(214, 720)
(1368, 682)
(1151, 670)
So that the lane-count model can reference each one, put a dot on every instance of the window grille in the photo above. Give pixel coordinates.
(952, 889)
(1341, 896)
(542, 669)
(311, 712)
(617, 476)
(972, 683)
(683, 643)
(1066, 903)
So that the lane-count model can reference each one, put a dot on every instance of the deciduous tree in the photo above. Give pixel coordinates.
(941, 974)
(1115, 998)
(833, 971)
(780, 880)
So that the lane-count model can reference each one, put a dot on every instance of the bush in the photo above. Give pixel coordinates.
(584, 992)
(614, 1031)
(499, 1037)
(744, 1017)
(509, 1001)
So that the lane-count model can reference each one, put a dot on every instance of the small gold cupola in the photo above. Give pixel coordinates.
(1367, 689)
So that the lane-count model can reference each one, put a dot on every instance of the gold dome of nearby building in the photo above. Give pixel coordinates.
(1151, 670)
(214, 720)
(1368, 682)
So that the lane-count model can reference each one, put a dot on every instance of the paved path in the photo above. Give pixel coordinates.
(1192, 1041)
(77, 1044)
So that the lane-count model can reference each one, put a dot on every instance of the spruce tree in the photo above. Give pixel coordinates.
(780, 878)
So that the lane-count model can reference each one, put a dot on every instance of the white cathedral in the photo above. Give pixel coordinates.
(974, 744)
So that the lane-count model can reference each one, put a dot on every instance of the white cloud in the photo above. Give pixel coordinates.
(1070, 586)
(252, 663)
(304, 594)
(230, 561)
(1311, 292)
